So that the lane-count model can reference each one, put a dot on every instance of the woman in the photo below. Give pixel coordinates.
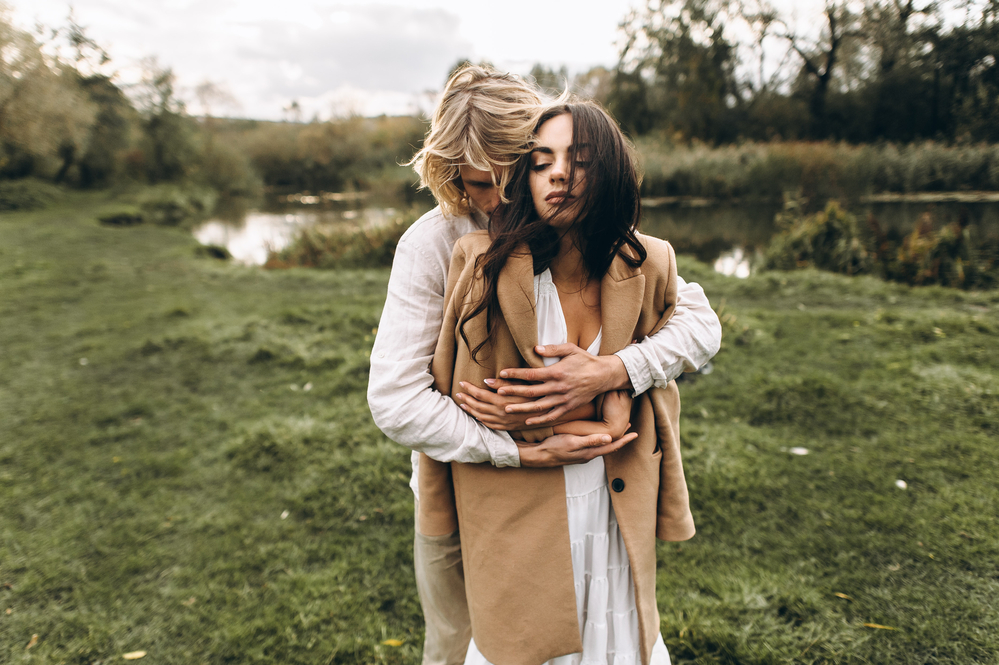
(557, 564)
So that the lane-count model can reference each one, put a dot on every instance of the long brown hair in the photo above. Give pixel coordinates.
(608, 218)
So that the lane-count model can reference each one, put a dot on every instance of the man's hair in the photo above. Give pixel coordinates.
(485, 120)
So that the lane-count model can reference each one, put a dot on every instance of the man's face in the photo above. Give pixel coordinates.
(480, 188)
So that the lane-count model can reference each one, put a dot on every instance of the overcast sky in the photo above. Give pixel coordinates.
(369, 57)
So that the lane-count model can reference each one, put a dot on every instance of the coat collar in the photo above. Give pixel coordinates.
(622, 292)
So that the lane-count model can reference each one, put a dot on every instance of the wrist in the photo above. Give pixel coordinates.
(616, 375)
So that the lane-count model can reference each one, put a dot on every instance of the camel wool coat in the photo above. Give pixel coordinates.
(513, 521)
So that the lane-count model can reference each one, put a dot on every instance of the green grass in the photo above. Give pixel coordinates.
(142, 492)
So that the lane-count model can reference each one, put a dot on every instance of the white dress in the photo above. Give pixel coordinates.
(605, 595)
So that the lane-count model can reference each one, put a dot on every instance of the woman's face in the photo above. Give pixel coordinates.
(551, 162)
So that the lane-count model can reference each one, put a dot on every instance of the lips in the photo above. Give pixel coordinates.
(558, 197)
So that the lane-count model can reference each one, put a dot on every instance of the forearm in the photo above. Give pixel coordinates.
(584, 428)
(401, 397)
(688, 340)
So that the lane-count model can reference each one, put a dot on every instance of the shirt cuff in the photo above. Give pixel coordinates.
(506, 453)
(637, 367)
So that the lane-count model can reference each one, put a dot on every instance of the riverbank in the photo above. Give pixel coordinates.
(188, 468)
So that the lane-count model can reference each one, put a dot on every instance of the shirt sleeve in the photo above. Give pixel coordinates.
(401, 397)
(689, 339)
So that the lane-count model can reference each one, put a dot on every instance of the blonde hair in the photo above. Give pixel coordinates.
(485, 120)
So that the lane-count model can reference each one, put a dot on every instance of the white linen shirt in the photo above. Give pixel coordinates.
(401, 397)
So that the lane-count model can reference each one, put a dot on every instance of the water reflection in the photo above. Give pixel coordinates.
(734, 263)
(259, 233)
(731, 237)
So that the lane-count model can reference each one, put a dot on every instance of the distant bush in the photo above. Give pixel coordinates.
(368, 248)
(175, 205)
(27, 194)
(946, 256)
(122, 215)
(832, 240)
(228, 171)
(828, 240)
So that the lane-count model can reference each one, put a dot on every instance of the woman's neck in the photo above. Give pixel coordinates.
(567, 267)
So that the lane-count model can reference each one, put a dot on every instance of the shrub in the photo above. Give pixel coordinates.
(366, 247)
(944, 256)
(123, 215)
(174, 205)
(228, 171)
(27, 194)
(828, 240)
(831, 240)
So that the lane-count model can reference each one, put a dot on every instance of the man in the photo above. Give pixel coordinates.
(482, 125)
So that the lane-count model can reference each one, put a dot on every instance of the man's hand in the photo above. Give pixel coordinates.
(489, 408)
(563, 449)
(574, 380)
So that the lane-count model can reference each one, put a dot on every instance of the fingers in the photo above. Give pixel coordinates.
(564, 449)
(557, 350)
(607, 449)
(525, 374)
(538, 406)
(480, 394)
(550, 417)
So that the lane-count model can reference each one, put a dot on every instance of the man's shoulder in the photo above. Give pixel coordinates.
(435, 232)
(474, 243)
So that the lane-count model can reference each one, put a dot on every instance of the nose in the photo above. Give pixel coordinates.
(493, 201)
(559, 171)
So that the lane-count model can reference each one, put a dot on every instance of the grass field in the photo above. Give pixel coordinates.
(187, 466)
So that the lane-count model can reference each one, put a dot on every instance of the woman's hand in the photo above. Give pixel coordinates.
(563, 449)
(616, 412)
(555, 391)
(489, 408)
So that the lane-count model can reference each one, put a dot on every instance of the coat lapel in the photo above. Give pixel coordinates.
(622, 292)
(515, 290)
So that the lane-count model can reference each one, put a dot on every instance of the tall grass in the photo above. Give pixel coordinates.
(818, 171)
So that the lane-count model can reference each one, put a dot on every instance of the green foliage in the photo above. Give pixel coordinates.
(174, 205)
(227, 170)
(817, 171)
(832, 240)
(45, 118)
(681, 51)
(122, 215)
(337, 155)
(27, 194)
(827, 240)
(104, 161)
(366, 247)
(718, 71)
(937, 256)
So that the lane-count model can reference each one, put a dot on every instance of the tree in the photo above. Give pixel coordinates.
(45, 119)
(820, 58)
(677, 53)
(168, 143)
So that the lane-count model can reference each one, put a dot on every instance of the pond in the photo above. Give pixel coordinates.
(730, 236)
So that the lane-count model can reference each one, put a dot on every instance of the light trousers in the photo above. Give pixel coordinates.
(440, 580)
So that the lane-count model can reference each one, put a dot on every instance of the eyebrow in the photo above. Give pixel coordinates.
(548, 151)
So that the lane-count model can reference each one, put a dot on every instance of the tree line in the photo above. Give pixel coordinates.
(721, 71)
(66, 118)
(710, 71)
